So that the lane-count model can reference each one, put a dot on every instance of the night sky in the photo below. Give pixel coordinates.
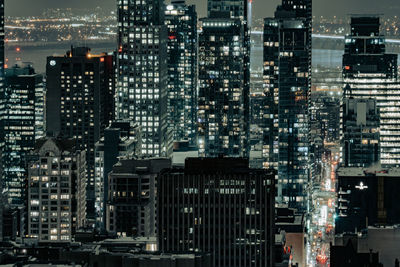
(262, 8)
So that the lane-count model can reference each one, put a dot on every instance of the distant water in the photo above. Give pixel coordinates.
(37, 55)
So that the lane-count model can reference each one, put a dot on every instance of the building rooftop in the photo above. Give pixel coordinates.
(375, 170)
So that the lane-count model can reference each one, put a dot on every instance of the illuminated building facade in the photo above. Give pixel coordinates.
(142, 70)
(218, 206)
(22, 93)
(80, 93)
(287, 81)
(131, 205)
(56, 197)
(236, 8)
(223, 114)
(360, 132)
(120, 139)
(369, 72)
(181, 21)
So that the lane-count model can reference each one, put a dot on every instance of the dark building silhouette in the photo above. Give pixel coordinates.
(287, 79)
(131, 205)
(122, 139)
(79, 102)
(348, 256)
(181, 21)
(361, 142)
(367, 197)
(218, 206)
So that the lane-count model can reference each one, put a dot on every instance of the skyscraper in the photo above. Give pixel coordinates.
(121, 139)
(80, 92)
(22, 92)
(142, 94)
(181, 21)
(218, 206)
(287, 75)
(56, 198)
(224, 75)
(370, 72)
(236, 8)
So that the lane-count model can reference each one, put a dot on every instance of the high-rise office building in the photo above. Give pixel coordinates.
(287, 81)
(142, 93)
(22, 93)
(223, 114)
(218, 206)
(236, 8)
(360, 142)
(181, 21)
(131, 205)
(370, 72)
(80, 93)
(56, 198)
(122, 139)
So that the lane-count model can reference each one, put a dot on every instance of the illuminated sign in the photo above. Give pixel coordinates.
(361, 186)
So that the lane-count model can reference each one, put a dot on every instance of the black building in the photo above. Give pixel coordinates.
(347, 255)
(218, 206)
(236, 8)
(181, 20)
(361, 140)
(79, 103)
(367, 197)
(223, 114)
(287, 80)
(122, 139)
(131, 205)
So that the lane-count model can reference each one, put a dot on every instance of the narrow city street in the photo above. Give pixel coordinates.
(322, 215)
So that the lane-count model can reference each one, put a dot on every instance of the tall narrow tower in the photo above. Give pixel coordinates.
(224, 75)
(181, 21)
(287, 87)
(142, 93)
